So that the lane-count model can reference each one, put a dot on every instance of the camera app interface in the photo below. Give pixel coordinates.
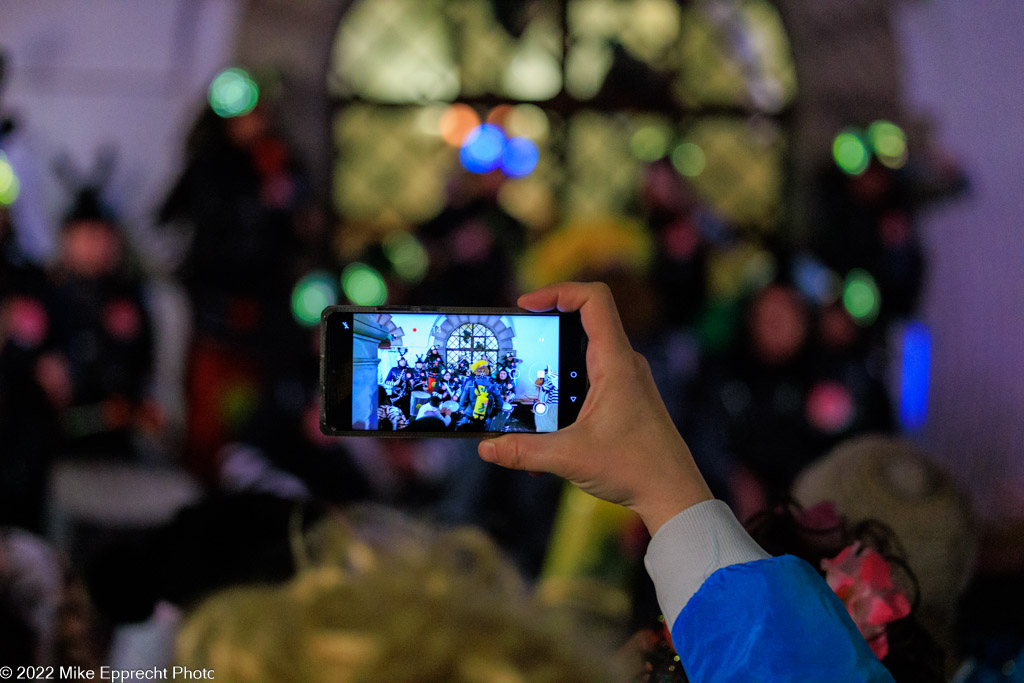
(431, 372)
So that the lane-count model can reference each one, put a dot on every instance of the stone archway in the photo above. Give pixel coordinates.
(444, 327)
(295, 39)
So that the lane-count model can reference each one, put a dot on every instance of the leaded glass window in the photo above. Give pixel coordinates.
(472, 341)
(602, 87)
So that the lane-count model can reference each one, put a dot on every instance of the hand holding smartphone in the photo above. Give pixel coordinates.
(449, 372)
(623, 447)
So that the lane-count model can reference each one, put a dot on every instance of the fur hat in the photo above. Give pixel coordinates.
(891, 480)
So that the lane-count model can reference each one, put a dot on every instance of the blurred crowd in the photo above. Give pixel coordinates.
(776, 381)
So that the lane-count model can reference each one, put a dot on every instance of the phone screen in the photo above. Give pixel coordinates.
(450, 372)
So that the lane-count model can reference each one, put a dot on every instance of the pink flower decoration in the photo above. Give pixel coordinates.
(862, 580)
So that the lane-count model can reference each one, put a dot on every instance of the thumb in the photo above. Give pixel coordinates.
(516, 452)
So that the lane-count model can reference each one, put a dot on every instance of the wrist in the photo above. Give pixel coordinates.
(657, 513)
(672, 492)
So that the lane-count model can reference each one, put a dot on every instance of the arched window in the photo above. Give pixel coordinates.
(601, 87)
(472, 341)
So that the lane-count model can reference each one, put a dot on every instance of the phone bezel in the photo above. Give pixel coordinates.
(334, 376)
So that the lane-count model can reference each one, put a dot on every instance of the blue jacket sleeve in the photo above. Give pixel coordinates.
(771, 620)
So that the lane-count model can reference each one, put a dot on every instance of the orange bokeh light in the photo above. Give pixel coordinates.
(457, 122)
(498, 115)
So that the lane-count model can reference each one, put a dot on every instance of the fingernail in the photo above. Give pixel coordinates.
(487, 451)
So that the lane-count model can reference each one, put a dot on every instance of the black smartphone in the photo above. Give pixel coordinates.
(449, 372)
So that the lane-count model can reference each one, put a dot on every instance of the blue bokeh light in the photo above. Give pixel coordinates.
(483, 148)
(914, 375)
(814, 279)
(519, 157)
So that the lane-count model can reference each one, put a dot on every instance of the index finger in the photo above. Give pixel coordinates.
(597, 310)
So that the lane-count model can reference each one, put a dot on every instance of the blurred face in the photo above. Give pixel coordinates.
(778, 324)
(91, 248)
(502, 375)
(481, 371)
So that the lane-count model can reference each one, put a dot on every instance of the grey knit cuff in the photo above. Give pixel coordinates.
(692, 546)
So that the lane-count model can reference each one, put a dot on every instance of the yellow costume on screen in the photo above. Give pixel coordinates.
(481, 403)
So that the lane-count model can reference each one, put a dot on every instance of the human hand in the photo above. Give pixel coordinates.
(623, 447)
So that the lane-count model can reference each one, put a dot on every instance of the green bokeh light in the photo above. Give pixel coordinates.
(233, 93)
(408, 257)
(649, 143)
(861, 297)
(10, 186)
(363, 285)
(851, 152)
(311, 295)
(889, 142)
(689, 159)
